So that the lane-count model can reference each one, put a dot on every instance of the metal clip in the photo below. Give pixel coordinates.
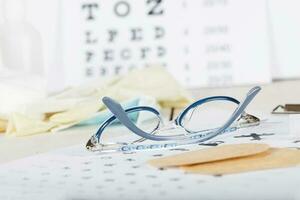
(287, 109)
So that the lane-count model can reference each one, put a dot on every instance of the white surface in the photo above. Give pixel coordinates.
(294, 125)
(74, 173)
(30, 178)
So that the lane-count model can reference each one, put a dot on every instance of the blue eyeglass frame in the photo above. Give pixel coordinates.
(122, 115)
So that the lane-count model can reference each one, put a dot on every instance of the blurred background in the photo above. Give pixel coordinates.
(203, 43)
(59, 58)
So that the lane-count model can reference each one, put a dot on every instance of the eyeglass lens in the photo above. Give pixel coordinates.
(207, 116)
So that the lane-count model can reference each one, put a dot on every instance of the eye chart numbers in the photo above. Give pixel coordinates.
(202, 43)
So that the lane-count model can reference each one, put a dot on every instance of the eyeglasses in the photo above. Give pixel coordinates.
(197, 123)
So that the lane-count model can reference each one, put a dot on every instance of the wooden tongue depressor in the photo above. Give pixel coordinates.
(271, 159)
(210, 155)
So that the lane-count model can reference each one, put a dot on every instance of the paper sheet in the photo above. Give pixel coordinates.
(74, 173)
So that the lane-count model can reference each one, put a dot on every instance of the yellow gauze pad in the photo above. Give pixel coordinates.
(3, 125)
(271, 159)
(210, 155)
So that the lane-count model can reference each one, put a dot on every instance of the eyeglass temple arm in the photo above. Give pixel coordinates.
(239, 110)
(120, 113)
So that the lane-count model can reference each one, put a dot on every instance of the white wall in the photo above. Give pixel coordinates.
(44, 15)
(285, 32)
(1, 21)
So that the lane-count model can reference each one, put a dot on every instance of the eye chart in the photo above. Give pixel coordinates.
(201, 42)
(75, 173)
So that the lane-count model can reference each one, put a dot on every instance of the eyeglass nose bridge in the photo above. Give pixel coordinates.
(171, 127)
